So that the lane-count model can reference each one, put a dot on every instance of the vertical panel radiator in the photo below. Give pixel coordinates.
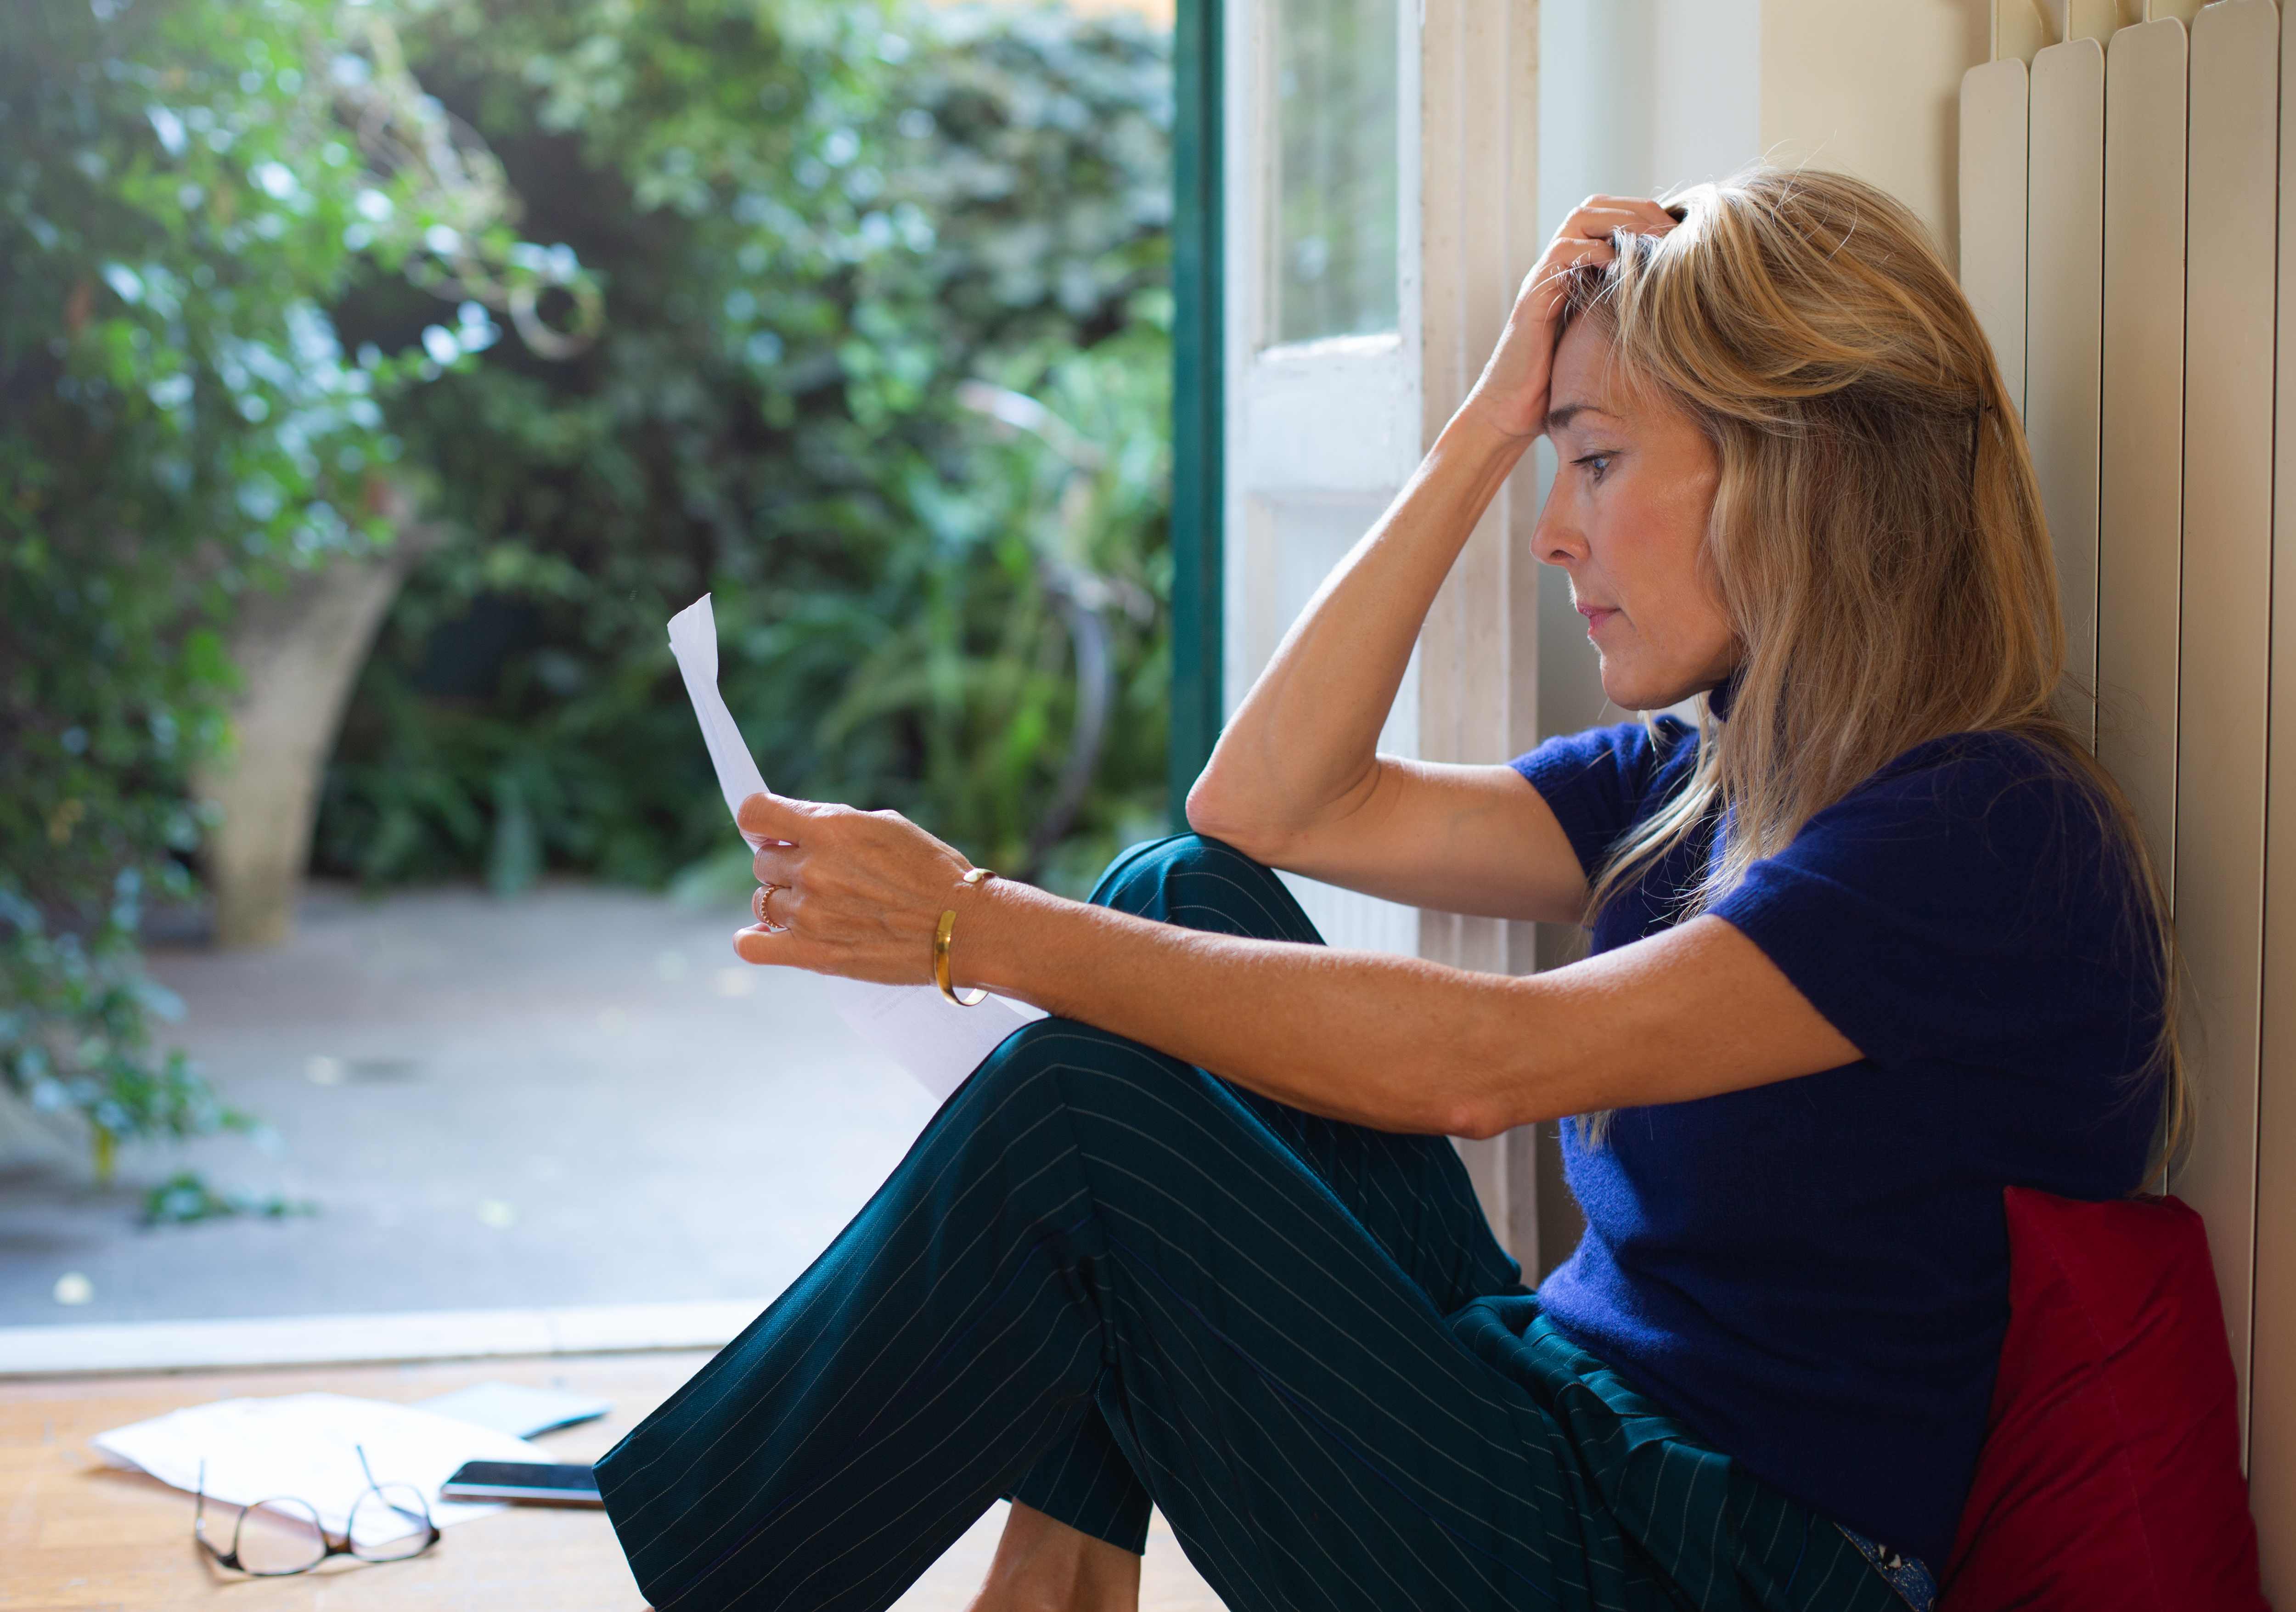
(2123, 243)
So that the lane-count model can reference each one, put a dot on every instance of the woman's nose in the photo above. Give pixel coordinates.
(1555, 540)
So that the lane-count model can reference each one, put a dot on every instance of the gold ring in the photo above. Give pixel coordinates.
(758, 905)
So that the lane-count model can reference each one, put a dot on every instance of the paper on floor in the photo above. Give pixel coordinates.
(913, 1024)
(515, 1409)
(305, 1446)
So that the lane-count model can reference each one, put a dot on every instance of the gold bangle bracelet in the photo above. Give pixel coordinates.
(976, 877)
(941, 935)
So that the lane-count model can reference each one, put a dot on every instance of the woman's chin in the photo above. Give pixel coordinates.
(1645, 694)
(1630, 692)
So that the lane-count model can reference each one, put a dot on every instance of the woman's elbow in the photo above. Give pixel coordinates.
(1475, 1121)
(1214, 813)
(1203, 805)
(1493, 1093)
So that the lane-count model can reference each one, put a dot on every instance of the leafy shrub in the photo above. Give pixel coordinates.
(815, 224)
(185, 1199)
(180, 203)
(225, 227)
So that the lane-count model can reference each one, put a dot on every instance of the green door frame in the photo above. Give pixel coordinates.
(1197, 394)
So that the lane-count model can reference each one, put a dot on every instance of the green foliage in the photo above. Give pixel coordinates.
(814, 223)
(808, 227)
(180, 202)
(75, 1018)
(185, 1199)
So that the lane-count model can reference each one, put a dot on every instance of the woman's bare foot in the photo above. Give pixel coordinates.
(1043, 1566)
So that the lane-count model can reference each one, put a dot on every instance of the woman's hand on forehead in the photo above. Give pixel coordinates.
(1512, 393)
(1585, 235)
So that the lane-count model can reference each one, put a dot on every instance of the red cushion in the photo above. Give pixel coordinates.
(2110, 1474)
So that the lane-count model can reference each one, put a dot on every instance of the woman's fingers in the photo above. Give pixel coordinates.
(1586, 234)
(1599, 216)
(771, 817)
(872, 856)
(776, 948)
(778, 864)
(1585, 239)
(844, 892)
(761, 906)
(1595, 223)
(1571, 252)
(1511, 393)
(890, 960)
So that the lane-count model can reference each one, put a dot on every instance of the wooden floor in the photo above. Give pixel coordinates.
(75, 1534)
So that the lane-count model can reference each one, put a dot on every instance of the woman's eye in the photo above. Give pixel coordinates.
(1596, 465)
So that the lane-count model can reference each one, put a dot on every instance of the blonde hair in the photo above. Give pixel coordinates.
(1877, 536)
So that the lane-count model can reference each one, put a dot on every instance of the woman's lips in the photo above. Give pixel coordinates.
(1595, 614)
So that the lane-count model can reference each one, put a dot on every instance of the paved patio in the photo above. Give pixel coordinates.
(580, 1097)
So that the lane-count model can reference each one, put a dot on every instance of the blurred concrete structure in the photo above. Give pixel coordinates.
(300, 651)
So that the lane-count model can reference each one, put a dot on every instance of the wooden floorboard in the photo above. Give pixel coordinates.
(75, 1534)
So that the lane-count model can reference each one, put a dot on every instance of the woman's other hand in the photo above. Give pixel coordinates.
(849, 893)
(1297, 780)
(1511, 393)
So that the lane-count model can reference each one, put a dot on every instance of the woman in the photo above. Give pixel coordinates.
(1872, 940)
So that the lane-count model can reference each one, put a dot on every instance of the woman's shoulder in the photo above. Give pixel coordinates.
(1634, 754)
(1997, 777)
(1622, 768)
(1599, 782)
(1995, 808)
(2009, 753)
(1976, 890)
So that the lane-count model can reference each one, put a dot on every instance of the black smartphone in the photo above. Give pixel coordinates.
(523, 1483)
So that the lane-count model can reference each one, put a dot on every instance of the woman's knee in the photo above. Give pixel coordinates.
(1203, 883)
(1056, 1045)
(1078, 1070)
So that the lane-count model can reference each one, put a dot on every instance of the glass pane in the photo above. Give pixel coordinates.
(278, 1536)
(1333, 232)
(390, 1522)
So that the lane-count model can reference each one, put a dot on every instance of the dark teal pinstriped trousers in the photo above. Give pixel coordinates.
(1102, 1278)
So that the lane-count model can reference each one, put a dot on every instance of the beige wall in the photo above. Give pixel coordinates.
(1874, 89)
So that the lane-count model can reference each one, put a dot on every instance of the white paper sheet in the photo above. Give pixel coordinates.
(305, 1446)
(912, 1025)
(693, 640)
(515, 1409)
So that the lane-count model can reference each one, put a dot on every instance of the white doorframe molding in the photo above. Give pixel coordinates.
(1479, 652)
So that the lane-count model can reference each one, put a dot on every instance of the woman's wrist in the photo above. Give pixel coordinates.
(1475, 441)
(1493, 425)
(991, 942)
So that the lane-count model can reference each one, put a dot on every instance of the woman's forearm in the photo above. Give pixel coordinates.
(1391, 1043)
(1401, 1044)
(1300, 753)
(1302, 746)
(1354, 1036)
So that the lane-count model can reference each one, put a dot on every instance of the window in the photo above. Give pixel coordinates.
(1334, 205)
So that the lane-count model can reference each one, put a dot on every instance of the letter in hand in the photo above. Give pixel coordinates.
(853, 917)
(1512, 394)
(857, 893)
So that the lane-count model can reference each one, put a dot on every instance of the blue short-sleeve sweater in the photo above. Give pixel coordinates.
(1815, 1274)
